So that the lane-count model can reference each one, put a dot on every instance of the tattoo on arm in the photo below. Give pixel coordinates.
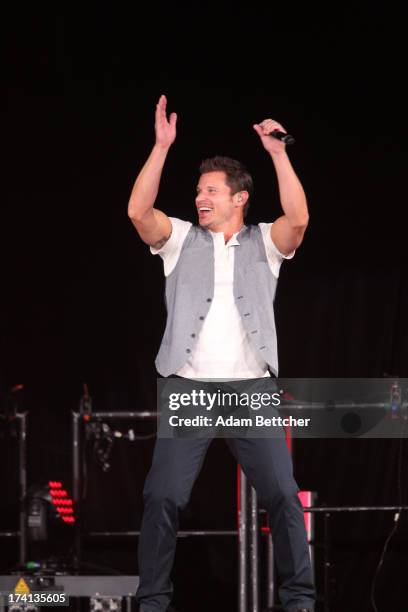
(160, 243)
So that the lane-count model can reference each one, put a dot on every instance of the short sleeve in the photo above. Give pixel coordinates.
(273, 255)
(170, 252)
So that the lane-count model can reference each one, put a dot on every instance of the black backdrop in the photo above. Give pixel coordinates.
(82, 297)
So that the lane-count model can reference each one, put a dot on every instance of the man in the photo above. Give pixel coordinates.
(220, 284)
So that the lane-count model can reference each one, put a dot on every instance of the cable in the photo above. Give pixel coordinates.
(381, 561)
(397, 517)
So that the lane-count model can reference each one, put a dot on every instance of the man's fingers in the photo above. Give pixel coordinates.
(161, 116)
(161, 106)
(163, 103)
(269, 125)
(173, 119)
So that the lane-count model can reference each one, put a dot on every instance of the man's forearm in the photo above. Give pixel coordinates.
(292, 195)
(146, 187)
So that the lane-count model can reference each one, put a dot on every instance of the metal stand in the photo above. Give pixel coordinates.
(249, 546)
(270, 579)
(76, 484)
(22, 454)
(254, 560)
(254, 550)
(242, 542)
(21, 534)
(77, 421)
(327, 512)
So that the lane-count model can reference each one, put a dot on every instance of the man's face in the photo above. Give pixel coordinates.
(215, 204)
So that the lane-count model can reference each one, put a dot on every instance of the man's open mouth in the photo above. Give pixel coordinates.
(204, 211)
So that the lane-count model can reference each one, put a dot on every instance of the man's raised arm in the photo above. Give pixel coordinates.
(153, 226)
(288, 230)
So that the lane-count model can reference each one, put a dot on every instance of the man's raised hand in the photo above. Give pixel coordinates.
(165, 128)
(263, 129)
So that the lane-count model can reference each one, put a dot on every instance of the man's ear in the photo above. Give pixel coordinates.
(241, 198)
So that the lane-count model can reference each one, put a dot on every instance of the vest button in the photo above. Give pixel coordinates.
(247, 314)
(208, 299)
(240, 297)
(262, 347)
(188, 351)
(254, 331)
(201, 318)
(193, 335)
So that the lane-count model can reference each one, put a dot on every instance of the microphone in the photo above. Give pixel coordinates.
(286, 138)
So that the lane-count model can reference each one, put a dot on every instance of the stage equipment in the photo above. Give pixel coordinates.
(102, 438)
(48, 504)
(105, 603)
(14, 425)
(100, 589)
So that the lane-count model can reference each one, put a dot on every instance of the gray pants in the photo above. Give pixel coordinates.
(268, 466)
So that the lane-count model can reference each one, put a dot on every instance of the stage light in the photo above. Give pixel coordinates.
(47, 505)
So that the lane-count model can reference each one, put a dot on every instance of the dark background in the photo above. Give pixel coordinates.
(82, 297)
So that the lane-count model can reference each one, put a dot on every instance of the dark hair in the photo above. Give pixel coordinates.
(237, 176)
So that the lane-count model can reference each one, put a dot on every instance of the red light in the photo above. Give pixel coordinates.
(63, 510)
(62, 503)
(58, 493)
(54, 484)
(306, 499)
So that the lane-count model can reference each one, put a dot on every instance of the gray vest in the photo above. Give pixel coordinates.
(190, 289)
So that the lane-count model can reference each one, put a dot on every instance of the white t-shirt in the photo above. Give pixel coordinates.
(223, 349)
